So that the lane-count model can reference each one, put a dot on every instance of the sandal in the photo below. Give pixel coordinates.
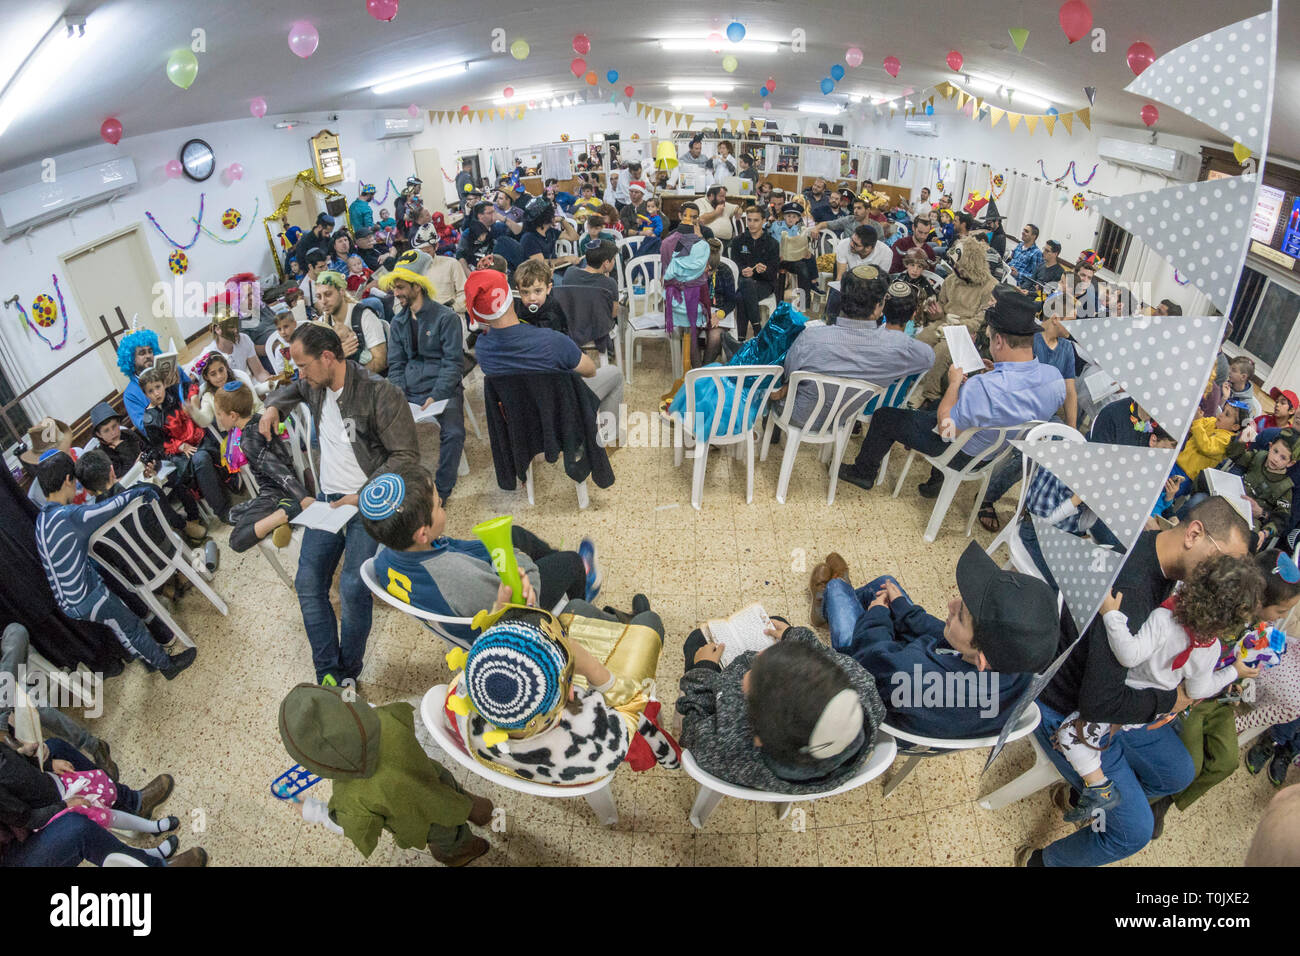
(988, 519)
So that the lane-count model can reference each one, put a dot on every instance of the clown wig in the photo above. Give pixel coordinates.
(126, 350)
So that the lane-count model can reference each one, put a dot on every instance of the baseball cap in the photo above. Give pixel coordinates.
(1016, 622)
(487, 295)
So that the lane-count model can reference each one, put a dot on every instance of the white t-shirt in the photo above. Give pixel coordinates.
(881, 256)
(372, 329)
(340, 474)
(238, 358)
(274, 343)
(722, 226)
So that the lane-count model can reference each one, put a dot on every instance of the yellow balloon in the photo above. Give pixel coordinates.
(519, 49)
(729, 63)
(1241, 152)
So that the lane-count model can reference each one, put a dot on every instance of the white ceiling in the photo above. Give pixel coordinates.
(121, 72)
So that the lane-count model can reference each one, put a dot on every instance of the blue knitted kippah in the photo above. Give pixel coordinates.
(382, 496)
(234, 386)
(514, 672)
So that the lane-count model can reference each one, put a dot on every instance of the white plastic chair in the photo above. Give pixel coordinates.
(746, 407)
(898, 394)
(300, 429)
(980, 468)
(916, 747)
(1042, 774)
(644, 310)
(712, 789)
(437, 623)
(935, 280)
(836, 406)
(146, 564)
(597, 793)
(1010, 533)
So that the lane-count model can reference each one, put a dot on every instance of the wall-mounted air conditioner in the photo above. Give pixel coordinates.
(42, 202)
(398, 126)
(921, 126)
(1151, 158)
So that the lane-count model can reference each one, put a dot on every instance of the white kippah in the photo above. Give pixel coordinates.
(837, 727)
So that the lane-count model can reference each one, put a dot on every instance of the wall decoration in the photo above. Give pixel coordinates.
(230, 218)
(327, 158)
(197, 220)
(44, 314)
(252, 220)
(1078, 200)
(198, 160)
(178, 262)
(1069, 171)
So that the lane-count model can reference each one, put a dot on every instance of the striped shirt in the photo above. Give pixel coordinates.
(63, 535)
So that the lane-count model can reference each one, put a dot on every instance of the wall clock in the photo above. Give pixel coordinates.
(197, 160)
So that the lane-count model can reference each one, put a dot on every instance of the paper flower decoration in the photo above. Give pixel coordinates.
(230, 218)
(1077, 201)
(44, 311)
(178, 262)
(998, 181)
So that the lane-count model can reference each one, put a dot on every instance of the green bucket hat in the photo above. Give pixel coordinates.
(328, 735)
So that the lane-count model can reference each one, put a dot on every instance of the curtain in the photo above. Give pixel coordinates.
(823, 161)
(555, 162)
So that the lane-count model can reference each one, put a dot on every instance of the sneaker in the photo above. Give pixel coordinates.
(587, 551)
(179, 662)
(1104, 796)
(640, 604)
(1279, 765)
(282, 535)
(866, 484)
(196, 531)
(1259, 754)
(329, 681)
(1060, 795)
(930, 487)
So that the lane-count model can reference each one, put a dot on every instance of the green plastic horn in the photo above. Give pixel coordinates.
(495, 533)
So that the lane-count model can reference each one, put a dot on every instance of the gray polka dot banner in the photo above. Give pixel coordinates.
(1163, 362)
(1221, 79)
(1118, 483)
(1201, 229)
(1083, 569)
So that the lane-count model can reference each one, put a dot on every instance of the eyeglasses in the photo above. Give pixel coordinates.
(1215, 543)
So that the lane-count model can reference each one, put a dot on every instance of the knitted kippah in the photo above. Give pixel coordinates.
(900, 289)
(234, 386)
(382, 496)
(514, 672)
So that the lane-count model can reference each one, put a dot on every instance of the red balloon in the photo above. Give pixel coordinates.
(712, 101)
(771, 85)
(578, 66)
(954, 60)
(893, 65)
(1140, 56)
(581, 44)
(627, 91)
(724, 106)
(1076, 19)
(591, 77)
(383, 10)
(1150, 115)
(110, 130)
(464, 108)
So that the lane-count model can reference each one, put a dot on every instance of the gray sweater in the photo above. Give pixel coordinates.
(715, 723)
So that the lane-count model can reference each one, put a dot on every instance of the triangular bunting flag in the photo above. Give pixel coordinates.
(719, 122)
(1221, 79)
(1163, 362)
(979, 103)
(1085, 117)
(961, 100)
(658, 113)
(892, 111)
(995, 114)
(1050, 123)
(502, 111)
(461, 115)
(640, 108)
(949, 91)
(1067, 120)
(1031, 122)
(1091, 93)
(478, 115)
(1013, 120)
(1083, 569)
(1200, 228)
(690, 119)
(1029, 695)
(1018, 36)
(1119, 483)
(734, 124)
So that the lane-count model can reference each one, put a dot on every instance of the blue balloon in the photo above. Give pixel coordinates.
(929, 109)
(837, 72)
(762, 91)
(612, 76)
(827, 85)
(1051, 111)
(735, 32)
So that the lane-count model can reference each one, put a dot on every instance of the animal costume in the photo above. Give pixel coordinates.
(963, 299)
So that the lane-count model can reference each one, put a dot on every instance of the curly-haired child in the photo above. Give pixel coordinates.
(214, 371)
(1179, 643)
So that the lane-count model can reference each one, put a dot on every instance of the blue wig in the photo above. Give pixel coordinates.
(126, 350)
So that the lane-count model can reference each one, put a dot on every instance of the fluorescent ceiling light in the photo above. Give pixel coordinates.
(1005, 91)
(701, 86)
(56, 51)
(710, 46)
(681, 101)
(1028, 99)
(855, 98)
(416, 79)
(819, 109)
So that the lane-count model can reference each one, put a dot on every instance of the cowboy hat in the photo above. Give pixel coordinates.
(406, 275)
(46, 436)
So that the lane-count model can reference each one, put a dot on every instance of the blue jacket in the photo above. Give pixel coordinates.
(926, 687)
(134, 399)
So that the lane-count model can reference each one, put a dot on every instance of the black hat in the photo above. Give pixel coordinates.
(100, 414)
(793, 207)
(364, 232)
(991, 213)
(1013, 314)
(1016, 621)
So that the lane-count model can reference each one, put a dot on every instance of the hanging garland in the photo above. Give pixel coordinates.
(941, 174)
(252, 221)
(198, 226)
(44, 307)
(1069, 171)
(902, 169)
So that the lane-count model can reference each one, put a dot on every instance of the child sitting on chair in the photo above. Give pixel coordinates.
(796, 250)
(172, 434)
(281, 496)
(1208, 440)
(213, 372)
(538, 305)
(277, 349)
(1178, 644)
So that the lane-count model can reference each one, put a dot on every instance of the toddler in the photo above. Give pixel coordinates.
(358, 275)
(539, 307)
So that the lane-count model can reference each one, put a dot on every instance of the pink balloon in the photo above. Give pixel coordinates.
(382, 9)
(413, 111)
(235, 171)
(303, 39)
(954, 60)
(578, 66)
(715, 39)
(767, 104)
(1140, 56)
(1076, 19)
(257, 107)
(853, 57)
(581, 44)
(1150, 115)
(893, 65)
(110, 130)
(173, 168)
(508, 92)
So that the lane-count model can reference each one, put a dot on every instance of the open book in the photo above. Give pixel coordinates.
(743, 631)
(1229, 486)
(427, 414)
(962, 348)
(323, 516)
(165, 365)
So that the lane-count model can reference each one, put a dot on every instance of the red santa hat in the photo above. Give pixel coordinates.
(487, 295)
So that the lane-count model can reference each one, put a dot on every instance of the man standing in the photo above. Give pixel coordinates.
(365, 429)
(758, 256)
(360, 215)
(818, 201)
(317, 237)
(464, 180)
(426, 363)
(1018, 389)
(1026, 258)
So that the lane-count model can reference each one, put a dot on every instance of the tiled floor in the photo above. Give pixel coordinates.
(214, 727)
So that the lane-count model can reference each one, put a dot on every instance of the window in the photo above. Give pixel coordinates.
(1112, 245)
(14, 422)
(1263, 315)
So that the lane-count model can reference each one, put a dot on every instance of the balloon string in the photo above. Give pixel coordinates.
(198, 221)
(252, 221)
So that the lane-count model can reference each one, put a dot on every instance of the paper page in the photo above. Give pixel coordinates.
(430, 413)
(1230, 487)
(743, 631)
(962, 347)
(322, 516)
(1100, 384)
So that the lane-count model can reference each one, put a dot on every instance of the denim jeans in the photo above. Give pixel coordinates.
(13, 654)
(842, 606)
(68, 841)
(451, 442)
(1286, 735)
(1143, 764)
(335, 650)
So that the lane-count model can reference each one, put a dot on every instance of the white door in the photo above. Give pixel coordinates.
(115, 272)
(429, 168)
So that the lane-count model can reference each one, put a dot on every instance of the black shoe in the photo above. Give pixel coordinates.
(930, 488)
(1259, 754)
(1279, 765)
(866, 484)
(640, 604)
(1158, 810)
(179, 662)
